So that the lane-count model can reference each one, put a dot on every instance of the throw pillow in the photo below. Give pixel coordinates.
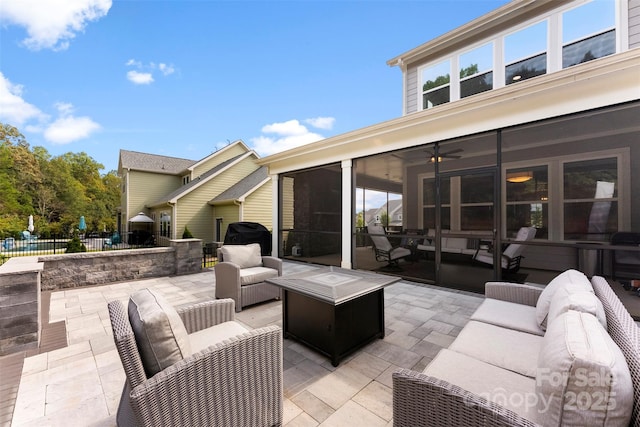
(160, 334)
(583, 301)
(582, 377)
(567, 278)
(246, 256)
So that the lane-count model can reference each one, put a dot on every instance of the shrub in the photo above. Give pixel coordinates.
(187, 234)
(75, 245)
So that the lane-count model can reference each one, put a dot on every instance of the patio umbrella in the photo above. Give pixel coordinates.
(141, 218)
(83, 225)
(30, 226)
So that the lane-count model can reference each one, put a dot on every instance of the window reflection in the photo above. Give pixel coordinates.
(525, 53)
(435, 84)
(476, 73)
(527, 199)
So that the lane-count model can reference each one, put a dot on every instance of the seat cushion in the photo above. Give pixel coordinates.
(584, 301)
(505, 348)
(503, 387)
(249, 276)
(583, 376)
(507, 314)
(246, 256)
(160, 334)
(204, 338)
(573, 280)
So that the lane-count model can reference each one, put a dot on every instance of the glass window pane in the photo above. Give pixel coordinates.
(478, 84)
(476, 189)
(579, 221)
(528, 42)
(526, 69)
(528, 214)
(586, 20)
(436, 75)
(588, 49)
(476, 61)
(527, 184)
(429, 188)
(591, 179)
(476, 218)
(436, 97)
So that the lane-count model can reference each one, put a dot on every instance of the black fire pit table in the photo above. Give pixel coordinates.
(333, 310)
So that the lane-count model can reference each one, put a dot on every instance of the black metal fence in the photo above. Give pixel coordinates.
(57, 244)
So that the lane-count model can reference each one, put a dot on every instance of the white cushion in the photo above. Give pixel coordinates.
(246, 256)
(583, 377)
(204, 338)
(495, 384)
(160, 334)
(249, 276)
(506, 348)
(584, 301)
(574, 279)
(519, 317)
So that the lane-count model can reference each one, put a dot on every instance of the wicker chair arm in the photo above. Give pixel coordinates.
(205, 314)
(273, 262)
(519, 293)
(421, 400)
(237, 382)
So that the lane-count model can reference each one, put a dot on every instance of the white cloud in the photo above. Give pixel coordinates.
(68, 129)
(289, 134)
(321, 122)
(139, 78)
(143, 74)
(166, 69)
(13, 109)
(51, 24)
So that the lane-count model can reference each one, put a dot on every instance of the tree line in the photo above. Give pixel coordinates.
(56, 190)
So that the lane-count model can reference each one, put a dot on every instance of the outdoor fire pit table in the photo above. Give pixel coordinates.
(333, 310)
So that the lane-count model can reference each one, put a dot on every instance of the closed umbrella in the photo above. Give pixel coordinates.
(83, 225)
(30, 226)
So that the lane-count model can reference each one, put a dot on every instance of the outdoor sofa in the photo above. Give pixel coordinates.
(565, 354)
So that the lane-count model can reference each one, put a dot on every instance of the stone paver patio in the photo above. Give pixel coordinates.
(80, 385)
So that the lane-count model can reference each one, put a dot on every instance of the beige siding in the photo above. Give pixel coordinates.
(216, 158)
(257, 207)
(146, 188)
(412, 90)
(229, 213)
(193, 208)
(634, 24)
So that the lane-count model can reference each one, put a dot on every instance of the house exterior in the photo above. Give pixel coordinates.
(526, 116)
(204, 196)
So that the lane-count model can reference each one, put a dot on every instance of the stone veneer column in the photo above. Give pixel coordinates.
(20, 304)
(188, 255)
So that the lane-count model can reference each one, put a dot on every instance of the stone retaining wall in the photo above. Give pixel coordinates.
(22, 278)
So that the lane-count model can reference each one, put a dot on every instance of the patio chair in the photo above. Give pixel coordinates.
(625, 264)
(241, 272)
(383, 249)
(511, 255)
(195, 365)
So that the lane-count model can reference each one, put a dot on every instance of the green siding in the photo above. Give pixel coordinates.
(215, 159)
(146, 188)
(229, 213)
(258, 207)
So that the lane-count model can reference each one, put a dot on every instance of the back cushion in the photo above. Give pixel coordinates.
(572, 279)
(583, 377)
(246, 256)
(160, 334)
(583, 301)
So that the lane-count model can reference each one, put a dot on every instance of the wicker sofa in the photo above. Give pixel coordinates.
(532, 355)
(195, 365)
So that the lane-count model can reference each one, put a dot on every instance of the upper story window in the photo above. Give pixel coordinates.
(186, 179)
(525, 53)
(588, 32)
(435, 84)
(570, 35)
(476, 70)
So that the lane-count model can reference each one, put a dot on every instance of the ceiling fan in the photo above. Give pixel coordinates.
(444, 155)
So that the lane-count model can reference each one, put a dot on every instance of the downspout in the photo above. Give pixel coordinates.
(239, 203)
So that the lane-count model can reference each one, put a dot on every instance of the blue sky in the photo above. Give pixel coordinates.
(183, 78)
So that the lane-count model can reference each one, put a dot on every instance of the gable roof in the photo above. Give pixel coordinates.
(134, 160)
(218, 151)
(243, 188)
(196, 182)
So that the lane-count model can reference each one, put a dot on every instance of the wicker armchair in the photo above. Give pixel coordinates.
(237, 381)
(243, 282)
